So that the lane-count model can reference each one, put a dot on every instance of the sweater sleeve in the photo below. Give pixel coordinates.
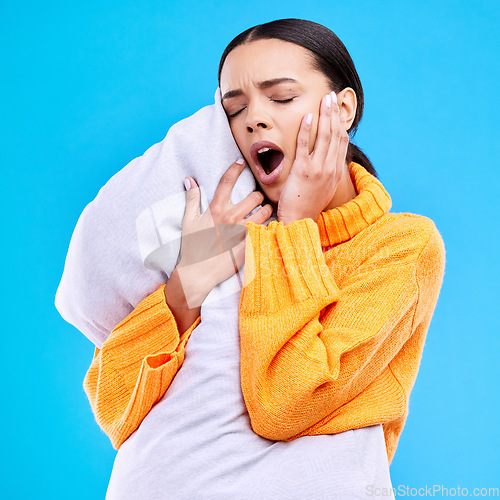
(310, 349)
(135, 366)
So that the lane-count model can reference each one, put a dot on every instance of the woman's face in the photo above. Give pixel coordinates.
(255, 77)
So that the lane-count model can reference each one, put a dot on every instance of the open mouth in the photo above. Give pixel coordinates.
(269, 159)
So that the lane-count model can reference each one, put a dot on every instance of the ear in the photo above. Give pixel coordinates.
(347, 103)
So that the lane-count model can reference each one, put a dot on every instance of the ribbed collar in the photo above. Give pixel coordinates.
(341, 223)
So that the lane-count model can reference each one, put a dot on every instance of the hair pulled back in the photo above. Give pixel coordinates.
(329, 56)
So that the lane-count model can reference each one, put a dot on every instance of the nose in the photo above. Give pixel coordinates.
(257, 117)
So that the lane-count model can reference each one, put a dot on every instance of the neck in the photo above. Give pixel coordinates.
(345, 192)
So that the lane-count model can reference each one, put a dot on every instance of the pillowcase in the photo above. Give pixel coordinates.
(126, 242)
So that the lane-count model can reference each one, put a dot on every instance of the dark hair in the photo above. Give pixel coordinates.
(329, 56)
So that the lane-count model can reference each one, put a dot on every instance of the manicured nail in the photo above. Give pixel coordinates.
(328, 100)
(309, 118)
(334, 96)
(240, 161)
(187, 184)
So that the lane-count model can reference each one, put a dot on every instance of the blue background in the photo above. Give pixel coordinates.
(88, 86)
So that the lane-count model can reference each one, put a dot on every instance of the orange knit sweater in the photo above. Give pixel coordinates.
(333, 319)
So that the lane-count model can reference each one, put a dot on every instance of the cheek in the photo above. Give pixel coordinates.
(237, 136)
(314, 132)
(292, 133)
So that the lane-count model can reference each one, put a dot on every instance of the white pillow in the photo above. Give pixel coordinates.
(126, 242)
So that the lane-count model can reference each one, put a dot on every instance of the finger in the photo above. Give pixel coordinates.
(337, 129)
(227, 182)
(302, 153)
(244, 207)
(343, 140)
(261, 215)
(324, 133)
(192, 198)
(341, 155)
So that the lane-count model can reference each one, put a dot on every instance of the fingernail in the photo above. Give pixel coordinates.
(328, 100)
(334, 96)
(240, 161)
(309, 118)
(187, 184)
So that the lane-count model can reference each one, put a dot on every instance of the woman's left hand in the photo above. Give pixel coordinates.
(314, 177)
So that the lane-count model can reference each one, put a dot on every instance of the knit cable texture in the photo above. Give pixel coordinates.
(332, 326)
(135, 367)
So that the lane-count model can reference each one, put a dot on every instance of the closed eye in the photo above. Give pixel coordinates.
(281, 101)
(234, 114)
(284, 100)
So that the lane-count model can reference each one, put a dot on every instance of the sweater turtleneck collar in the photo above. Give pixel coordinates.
(341, 223)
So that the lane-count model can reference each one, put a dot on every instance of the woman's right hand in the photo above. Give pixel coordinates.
(213, 243)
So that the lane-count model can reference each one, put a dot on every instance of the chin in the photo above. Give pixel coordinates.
(271, 196)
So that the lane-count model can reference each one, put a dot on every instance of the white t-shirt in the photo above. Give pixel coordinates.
(197, 442)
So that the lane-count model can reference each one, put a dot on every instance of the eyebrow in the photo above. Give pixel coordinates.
(262, 85)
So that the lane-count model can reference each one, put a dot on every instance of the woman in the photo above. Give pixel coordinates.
(336, 303)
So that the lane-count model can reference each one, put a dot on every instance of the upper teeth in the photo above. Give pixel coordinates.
(263, 150)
